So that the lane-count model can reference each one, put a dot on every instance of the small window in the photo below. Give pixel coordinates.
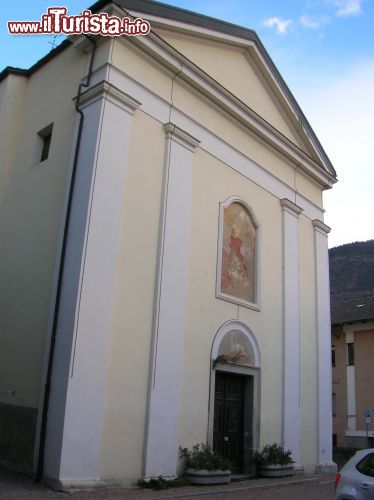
(334, 405)
(350, 354)
(366, 465)
(334, 440)
(46, 144)
(43, 144)
(333, 355)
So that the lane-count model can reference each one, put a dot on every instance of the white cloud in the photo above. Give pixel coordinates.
(313, 22)
(346, 8)
(341, 113)
(280, 24)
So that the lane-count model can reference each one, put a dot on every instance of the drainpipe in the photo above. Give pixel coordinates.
(47, 389)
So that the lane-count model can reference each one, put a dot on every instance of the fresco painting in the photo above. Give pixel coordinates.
(235, 348)
(238, 253)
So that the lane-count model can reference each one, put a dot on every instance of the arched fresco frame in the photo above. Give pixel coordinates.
(220, 294)
(252, 386)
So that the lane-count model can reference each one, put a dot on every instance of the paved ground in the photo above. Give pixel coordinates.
(17, 487)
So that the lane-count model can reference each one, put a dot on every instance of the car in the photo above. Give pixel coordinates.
(355, 481)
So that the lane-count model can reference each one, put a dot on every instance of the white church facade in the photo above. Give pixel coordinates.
(164, 276)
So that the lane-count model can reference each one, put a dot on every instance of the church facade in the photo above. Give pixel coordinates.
(165, 266)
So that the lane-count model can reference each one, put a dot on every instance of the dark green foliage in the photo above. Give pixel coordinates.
(201, 456)
(273, 454)
(352, 271)
(341, 455)
(160, 483)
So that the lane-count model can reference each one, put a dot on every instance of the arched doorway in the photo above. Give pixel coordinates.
(234, 406)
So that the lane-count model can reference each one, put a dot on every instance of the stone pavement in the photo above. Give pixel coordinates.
(14, 486)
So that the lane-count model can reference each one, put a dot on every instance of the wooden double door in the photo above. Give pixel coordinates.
(228, 428)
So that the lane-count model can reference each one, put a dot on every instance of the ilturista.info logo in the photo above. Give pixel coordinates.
(57, 21)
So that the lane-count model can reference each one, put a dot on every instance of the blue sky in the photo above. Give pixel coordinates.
(324, 50)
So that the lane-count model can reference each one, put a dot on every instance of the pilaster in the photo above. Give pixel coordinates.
(162, 446)
(76, 408)
(291, 330)
(324, 375)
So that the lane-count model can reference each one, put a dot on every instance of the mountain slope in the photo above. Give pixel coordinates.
(352, 271)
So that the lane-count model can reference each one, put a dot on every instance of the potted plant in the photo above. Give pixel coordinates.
(204, 466)
(274, 461)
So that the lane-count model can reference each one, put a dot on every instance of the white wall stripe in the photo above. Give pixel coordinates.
(291, 330)
(162, 447)
(323, 334)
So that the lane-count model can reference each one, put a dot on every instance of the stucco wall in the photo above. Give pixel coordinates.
(141, 68)
(32, 197)
(30, 223)
(128, 365)
(363, 355)
(12, 94)
(206, 313)
(213, 182)
(364, 375)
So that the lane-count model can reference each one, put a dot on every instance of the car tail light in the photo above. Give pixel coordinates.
(337, 479)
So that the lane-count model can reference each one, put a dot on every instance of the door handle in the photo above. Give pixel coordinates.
(364, 486)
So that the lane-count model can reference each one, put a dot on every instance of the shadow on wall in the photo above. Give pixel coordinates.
(17, 436)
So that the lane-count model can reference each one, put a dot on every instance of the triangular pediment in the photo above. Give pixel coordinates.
(236, 60)
(236, 69)
(241, 72)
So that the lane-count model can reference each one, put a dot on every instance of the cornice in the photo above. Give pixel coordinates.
(290, 207)
(108, 91)
(180, 136)
(321, 227)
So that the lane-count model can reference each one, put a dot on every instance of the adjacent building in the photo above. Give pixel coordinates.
(352, 372)
(163, 259)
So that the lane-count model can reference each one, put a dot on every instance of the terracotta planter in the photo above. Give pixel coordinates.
(275, 470)
(204, 476)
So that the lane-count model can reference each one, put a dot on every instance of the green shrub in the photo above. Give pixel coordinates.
(160, 483)
(273, 454)
(201, 456)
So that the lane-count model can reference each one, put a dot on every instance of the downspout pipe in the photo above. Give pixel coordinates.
(47, 388)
